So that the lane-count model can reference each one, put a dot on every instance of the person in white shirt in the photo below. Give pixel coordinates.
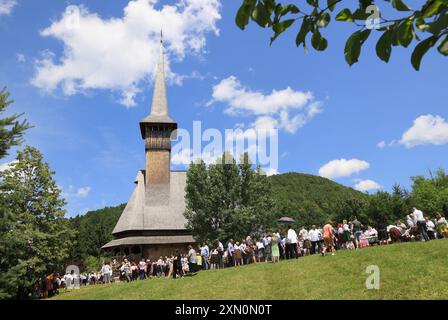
(409, 221)
(420, 221)
(303, 234)
(220, 249)
(430, 228)
(105, 272)
(314, 236)
(142, 267)
(291, 244)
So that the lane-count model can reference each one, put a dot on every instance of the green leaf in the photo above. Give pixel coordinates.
(312, 2)
(260, 15)
(400, 6)
(331, 4)
(365, 3)
(323, 20)
(405, 33)
(439, 24)
(290, 8)
(319, 43)
(301, 36)
(360, 14)
(420, 49)
(443, 46)
(344, 15)
(353, 45)
(384, 46)
(431, 8)
(280, 27)
(421, 25)
(243, 14)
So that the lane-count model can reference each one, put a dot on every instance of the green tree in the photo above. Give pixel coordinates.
(35, 239)
(227, 200)
(94, 229)
(11, 130)
(429, 20)
(430, 194)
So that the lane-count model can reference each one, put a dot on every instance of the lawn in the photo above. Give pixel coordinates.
(417, 270)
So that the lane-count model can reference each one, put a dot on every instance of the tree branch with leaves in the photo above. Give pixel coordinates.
(11, 129)
(428, 24)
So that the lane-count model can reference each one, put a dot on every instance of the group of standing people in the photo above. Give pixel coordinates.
(269, 247)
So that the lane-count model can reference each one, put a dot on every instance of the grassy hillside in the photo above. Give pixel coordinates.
(407, 271)
(312, 199)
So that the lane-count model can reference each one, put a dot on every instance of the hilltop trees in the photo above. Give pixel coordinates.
(227, 200)
(431, 194)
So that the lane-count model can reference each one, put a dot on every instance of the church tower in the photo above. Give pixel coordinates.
(153, 223)
(156, 130)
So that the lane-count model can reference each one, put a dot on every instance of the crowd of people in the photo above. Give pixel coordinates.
(269, 247)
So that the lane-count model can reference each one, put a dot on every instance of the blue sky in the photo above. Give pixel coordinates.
(85, 84)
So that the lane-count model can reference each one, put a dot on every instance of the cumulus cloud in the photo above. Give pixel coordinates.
(120, 54)
(342, 168)
(285, 109)
(73, 192)
(427, 129)
(6, 6)
(366, 185)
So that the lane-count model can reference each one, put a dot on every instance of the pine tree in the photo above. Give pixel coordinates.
(35, 238)
(11, 130)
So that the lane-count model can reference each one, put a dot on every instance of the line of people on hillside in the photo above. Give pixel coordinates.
(269, 247)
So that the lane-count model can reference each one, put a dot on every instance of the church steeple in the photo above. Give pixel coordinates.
(159, 101)
(159, 106)
(157, 128)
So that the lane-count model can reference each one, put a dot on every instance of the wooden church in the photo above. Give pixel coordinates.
(153, 224)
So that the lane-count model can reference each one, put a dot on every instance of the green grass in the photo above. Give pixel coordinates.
(415, 270)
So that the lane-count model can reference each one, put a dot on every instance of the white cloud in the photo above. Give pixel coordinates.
(120, 54)
(241, 99)
(73, 192)
(287, 109)
(6, 166)
(381, 144)
(427, 129)
(366, 185)
(83, 192)
(20, 57)
(265, 123)
(342, 168)
(6, 6)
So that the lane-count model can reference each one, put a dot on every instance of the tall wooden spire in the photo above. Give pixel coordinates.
(156, 129)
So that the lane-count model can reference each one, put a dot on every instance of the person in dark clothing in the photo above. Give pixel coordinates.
(177, 265)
